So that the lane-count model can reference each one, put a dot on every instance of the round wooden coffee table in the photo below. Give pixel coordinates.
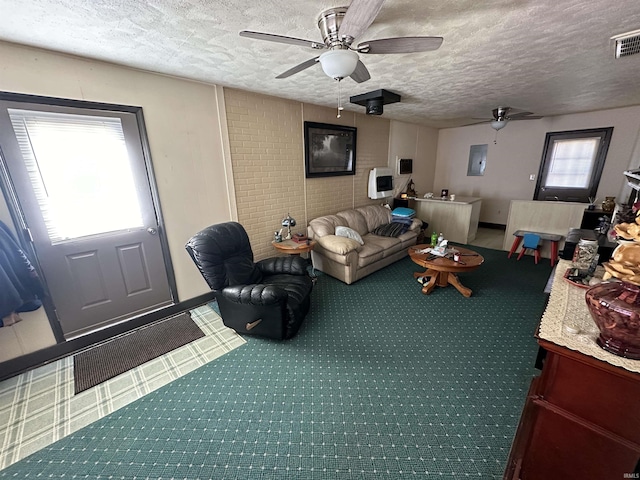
(442, 270)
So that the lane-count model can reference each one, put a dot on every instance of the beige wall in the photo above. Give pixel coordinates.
(418, 143)
(517, 154)
(182, 120)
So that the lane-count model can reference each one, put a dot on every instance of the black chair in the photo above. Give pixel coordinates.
(269, 298)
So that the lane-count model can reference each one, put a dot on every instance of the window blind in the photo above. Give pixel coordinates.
(79, 168)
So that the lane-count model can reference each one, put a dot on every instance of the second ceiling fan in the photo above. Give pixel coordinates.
(339, 27)
(503, 115)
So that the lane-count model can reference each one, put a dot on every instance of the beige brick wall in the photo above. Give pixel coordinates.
(267, 156)
(266, 145)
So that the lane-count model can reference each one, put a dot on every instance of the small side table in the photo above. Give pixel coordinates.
(293, 248)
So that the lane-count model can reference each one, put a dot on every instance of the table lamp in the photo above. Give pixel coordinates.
(288, 222)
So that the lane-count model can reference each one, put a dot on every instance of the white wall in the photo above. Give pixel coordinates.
(518, 152)
(183, 126)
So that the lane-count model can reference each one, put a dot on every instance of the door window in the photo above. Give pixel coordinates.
(572, 163)
(80, 171)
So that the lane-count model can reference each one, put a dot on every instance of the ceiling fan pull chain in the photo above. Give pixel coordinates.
(340, 107)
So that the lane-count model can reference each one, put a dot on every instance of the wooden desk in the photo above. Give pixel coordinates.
(442, 270)
(552, 237)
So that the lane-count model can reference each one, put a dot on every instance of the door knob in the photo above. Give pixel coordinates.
(152, 230)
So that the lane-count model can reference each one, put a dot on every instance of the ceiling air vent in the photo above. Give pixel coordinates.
(627, 43)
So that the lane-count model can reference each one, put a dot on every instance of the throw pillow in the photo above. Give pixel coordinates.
(393, 229)
(404, 212)
(349, 233)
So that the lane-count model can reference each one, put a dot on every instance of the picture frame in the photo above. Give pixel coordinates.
(329, 150)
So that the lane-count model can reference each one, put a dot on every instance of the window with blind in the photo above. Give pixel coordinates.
(572, 164)
(80, 171)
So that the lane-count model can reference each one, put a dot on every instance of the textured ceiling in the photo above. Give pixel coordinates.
(547, 56)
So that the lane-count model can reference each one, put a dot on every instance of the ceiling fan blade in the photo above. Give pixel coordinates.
(269, 37)
(519, 113)
(401, 45)
(360, 74)
(479, 122)
(530, 117)
(298, 68)
(360, 14)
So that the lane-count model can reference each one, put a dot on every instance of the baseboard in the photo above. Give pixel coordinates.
(494, 226)
(32, 360)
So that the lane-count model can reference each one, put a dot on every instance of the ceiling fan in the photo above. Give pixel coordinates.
(503, 115)
(339, 28)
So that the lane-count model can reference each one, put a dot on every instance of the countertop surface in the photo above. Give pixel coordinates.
(459, 200)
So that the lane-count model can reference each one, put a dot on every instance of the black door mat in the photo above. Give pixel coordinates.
(105, 361)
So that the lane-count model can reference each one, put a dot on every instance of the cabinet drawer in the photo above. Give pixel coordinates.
(563, 448)
(596, 395)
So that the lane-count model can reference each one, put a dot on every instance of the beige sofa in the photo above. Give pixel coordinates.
(345, 258)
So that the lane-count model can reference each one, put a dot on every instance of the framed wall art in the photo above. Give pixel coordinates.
(329, 150)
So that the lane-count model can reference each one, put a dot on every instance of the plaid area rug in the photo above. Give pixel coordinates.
(110, 359)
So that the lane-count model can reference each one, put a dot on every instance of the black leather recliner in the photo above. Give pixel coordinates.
(269, 298)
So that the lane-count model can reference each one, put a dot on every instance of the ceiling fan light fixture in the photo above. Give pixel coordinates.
(340, 63)
(498, 124)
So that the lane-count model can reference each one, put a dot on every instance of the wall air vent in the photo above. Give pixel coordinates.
(627, 44)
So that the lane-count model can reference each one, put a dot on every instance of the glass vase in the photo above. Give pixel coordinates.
(615, 308)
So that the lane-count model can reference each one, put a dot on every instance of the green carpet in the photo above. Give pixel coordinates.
(380, 382)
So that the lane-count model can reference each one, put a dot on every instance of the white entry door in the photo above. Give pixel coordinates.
(82, 183)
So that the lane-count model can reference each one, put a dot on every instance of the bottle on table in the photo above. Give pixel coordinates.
(434, 239)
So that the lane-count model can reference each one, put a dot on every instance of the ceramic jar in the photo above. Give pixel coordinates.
(615, 308)
(609, 204)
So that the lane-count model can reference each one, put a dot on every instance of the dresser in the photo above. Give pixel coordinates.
(581, 417)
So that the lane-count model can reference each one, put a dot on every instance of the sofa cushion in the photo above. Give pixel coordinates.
(387, 245)
(354, 220)
(408, 238)
(326, 225)
(349, 233)
(339, 245)
(370, 252)
(375, 215)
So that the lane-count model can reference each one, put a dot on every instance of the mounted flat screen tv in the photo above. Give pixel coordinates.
(329, 150)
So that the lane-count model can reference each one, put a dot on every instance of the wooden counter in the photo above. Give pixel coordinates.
(457, 220)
